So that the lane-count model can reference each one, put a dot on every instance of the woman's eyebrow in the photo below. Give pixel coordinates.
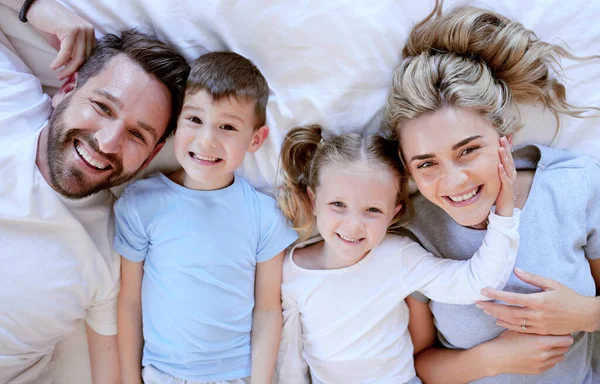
(465, 141)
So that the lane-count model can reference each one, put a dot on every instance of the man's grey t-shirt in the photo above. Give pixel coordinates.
(559, 229)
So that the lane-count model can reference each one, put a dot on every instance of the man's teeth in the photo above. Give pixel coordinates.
(464, 197)
(205, 158)
(83, 152)
(349, 239)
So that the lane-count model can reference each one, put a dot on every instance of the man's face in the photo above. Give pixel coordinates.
(106, 131)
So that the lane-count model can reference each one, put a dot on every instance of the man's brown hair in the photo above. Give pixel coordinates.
(227, 74)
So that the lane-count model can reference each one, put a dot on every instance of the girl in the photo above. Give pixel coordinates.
(345, 318)
(453, 95)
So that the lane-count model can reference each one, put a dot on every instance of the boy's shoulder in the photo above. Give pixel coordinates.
(143, 189)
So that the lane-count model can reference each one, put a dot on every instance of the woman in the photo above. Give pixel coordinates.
(452, 101)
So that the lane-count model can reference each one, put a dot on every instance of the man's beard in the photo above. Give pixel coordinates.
(72, 182)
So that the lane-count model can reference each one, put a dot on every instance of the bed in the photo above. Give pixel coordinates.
(326, 62)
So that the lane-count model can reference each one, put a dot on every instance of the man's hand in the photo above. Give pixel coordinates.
(69, 34)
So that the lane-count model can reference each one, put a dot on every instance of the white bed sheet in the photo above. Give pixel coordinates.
(326, 62)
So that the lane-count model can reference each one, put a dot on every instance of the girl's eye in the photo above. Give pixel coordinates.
(195, 120)
(228, 127)
(338, 204)
(103, 107)
(374, 210)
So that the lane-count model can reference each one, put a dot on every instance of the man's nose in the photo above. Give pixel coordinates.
(109, 137)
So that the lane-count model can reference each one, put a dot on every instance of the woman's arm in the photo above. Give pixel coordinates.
(420, 325)
(511, 352)
(129, 321)
(266, 319)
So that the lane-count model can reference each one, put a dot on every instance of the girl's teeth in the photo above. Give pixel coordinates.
(88, 157)
(349, 239)
(464, 197)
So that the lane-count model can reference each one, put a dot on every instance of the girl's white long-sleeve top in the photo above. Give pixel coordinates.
(350, 325)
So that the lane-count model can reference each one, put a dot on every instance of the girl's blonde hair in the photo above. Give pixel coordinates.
(476, 59)
(305, 152)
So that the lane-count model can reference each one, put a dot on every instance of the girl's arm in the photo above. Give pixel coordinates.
(266, 319)
(104, 357)
(129, 321)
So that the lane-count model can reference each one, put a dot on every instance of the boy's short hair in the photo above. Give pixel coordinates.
(228, 74)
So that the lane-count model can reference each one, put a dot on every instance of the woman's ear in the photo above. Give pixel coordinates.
(64, 90)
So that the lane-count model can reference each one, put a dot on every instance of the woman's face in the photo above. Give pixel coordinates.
(453, 157)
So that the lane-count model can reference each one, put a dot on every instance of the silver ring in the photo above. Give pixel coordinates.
(524, 326)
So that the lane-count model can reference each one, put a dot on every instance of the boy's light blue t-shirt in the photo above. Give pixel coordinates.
(200, 250)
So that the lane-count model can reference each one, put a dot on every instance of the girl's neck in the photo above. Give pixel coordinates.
(332, 260)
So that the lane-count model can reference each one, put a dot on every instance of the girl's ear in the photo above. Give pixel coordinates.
(397, 209)
(312, 197)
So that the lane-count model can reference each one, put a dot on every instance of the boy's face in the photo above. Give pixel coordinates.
(212, 138)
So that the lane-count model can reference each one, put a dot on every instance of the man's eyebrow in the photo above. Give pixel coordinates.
(465, 141)
(110, 97)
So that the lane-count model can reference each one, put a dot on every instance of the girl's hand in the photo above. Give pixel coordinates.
(518, 353)
(505, 202)
(557, 310)
(68, 33)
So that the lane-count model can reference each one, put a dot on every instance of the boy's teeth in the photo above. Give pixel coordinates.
(205, 158)
(349, 239)
(88, 157)
(464, 197)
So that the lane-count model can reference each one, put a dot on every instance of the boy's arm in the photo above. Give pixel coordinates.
(129, 321)
(266, 319)
(104, 357)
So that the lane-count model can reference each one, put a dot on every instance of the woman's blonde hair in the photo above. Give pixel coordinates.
(476, 59)
(305, 152)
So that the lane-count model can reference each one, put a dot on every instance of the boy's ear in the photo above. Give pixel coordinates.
(258, 138)
(64, 90)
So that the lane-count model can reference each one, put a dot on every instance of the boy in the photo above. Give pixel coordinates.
(201, 249)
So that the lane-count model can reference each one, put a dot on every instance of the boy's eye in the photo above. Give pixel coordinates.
(195, 120)
(374, 210)
(228, 127)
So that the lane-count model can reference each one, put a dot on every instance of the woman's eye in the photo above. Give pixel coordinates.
(195, 120)
(227, 127)
(374, 210)
(469, 150)
(425, 165)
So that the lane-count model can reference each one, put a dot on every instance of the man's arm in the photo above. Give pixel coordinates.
(104, 357)
(266, 319)
(68, 33)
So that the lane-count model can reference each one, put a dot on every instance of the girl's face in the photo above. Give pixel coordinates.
(354, 207)
(452, 155)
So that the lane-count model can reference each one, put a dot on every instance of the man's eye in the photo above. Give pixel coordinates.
(138, 135)
(195, 120)
(103, 107)
(228, 127)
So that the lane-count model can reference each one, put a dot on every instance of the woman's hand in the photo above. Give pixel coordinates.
(517, 353)
(505, 202)
(68, 33)
(557, 310)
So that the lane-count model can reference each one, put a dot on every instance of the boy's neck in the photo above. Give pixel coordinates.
(182, 178)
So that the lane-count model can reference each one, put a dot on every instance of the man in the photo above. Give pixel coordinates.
(110, 119)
